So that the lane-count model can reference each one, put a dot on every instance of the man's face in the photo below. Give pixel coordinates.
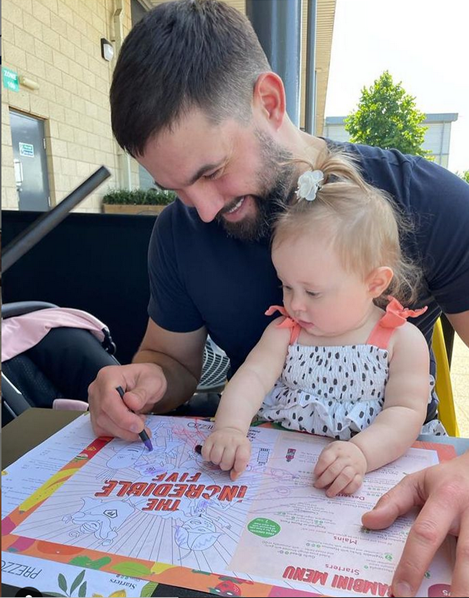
(229, 172)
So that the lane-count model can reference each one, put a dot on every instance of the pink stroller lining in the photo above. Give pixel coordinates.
(20, 333)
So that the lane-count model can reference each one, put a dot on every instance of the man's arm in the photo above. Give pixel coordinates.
(164, 374)
(460, 323)
(180, 356)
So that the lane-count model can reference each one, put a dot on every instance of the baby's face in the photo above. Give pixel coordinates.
(318, 293)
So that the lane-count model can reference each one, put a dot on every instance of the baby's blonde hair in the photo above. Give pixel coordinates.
(363, 222)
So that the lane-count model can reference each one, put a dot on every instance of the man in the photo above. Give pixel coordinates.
(193, 99)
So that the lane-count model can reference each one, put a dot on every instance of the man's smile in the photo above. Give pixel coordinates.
(239, 210)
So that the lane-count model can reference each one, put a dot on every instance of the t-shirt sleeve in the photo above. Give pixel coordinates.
(440, 202)
(170, 305)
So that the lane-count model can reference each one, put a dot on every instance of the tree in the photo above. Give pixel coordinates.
(387, 117)
(464, 175)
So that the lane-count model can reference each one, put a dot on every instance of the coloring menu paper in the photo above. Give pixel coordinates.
(169, 517)
(24, 477)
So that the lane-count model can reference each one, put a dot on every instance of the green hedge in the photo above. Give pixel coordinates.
(137, 197)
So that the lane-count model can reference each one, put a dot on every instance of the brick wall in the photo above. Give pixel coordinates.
(56, 43)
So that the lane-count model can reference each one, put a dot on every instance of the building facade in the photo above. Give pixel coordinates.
(56, 75)
(437, 136)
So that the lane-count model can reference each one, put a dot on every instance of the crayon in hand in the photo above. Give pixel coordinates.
(143, 435)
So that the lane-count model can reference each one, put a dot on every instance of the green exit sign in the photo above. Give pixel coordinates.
(10, 79)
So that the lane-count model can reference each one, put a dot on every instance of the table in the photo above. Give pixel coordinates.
(36, 425)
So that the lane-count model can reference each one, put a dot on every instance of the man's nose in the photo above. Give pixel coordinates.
(205, 199)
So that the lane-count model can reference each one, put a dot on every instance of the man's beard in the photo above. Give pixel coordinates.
(275, 187)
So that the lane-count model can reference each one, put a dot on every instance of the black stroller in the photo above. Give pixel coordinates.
(61, 364)
(66, 359)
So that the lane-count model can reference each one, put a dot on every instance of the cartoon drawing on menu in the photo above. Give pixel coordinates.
(198, 531)
(263, 456)
(102, 519)
(130, 501)
(136, 457)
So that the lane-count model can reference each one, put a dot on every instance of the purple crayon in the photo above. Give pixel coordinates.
(143, 435)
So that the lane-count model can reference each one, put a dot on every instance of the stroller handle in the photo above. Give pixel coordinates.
(44, 224)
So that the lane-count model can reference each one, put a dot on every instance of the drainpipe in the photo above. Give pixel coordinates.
(310, 108)
(277, 24)
(125, 171)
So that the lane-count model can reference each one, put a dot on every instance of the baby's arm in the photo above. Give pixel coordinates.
(228, 445)
(342, 465)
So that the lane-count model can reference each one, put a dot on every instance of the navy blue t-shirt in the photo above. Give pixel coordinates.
(201, 277)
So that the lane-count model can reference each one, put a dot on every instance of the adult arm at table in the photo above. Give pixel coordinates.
(443, 493)
(460, 323)
(164, 374)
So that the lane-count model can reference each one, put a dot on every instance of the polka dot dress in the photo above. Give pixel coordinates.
(331, 391)
(337, 391)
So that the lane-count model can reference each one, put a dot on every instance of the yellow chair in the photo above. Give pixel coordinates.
(443, 387)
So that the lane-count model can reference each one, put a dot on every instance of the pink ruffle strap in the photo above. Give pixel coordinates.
(287, 322)
(396, 315)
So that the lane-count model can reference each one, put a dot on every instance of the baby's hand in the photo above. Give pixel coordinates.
(342, 467)
(230, 449)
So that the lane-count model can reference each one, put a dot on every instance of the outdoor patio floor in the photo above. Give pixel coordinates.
(460, 382)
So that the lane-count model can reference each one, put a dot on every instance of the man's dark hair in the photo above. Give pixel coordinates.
(182, 55)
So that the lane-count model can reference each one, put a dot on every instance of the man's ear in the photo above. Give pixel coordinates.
(269, 98)
(378, 280)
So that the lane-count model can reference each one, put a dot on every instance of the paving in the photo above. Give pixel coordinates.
(460, 383)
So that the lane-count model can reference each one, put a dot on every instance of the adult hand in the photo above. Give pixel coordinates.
(230, 449)
(342, 467)
(144, 383)
(443, 493)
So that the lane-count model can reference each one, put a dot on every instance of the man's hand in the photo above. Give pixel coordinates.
(230, 449)
(443, 493)
(144, 385)
(342, 467)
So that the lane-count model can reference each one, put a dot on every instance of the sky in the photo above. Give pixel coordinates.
(424, 44)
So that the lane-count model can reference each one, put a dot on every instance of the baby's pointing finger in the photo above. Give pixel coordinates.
(243, 454)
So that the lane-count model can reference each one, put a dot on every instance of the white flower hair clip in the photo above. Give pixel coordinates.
(309, 184)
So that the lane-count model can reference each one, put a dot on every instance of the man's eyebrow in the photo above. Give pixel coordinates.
(202, 170)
